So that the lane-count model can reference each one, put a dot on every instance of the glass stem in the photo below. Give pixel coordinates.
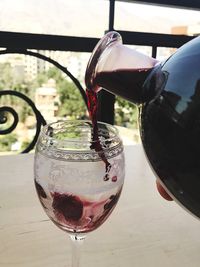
(76, 241)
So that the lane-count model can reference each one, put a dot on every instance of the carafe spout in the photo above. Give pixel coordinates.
(119, 69)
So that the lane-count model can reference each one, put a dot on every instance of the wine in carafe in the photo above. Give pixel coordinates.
(168, 96)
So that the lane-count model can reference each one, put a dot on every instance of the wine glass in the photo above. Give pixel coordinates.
(74, 184)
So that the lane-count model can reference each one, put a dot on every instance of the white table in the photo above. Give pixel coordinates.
(143, 231)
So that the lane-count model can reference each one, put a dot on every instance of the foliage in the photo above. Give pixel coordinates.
(74, 133)
(6, 80)
(71, 103)
(126, 113)
(9, 81)
(24, 145)
(7, 141)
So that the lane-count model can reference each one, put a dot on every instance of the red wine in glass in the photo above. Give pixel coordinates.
(76, 213)
(68, 177)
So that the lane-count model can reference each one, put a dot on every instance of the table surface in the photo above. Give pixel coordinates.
(144, 229)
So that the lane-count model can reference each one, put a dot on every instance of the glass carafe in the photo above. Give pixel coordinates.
(112, 67)
(168, 97)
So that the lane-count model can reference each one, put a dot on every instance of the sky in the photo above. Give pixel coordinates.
(88, 17)
(151, 11)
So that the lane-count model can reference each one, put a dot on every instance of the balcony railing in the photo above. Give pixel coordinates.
(14, 42)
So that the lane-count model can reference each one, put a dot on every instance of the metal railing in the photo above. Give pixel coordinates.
(14, 42)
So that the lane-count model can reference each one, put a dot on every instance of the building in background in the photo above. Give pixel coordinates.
(47, 99)
(192, 30)
(27, 67)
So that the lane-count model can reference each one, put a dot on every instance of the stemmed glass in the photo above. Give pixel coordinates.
(74, 187)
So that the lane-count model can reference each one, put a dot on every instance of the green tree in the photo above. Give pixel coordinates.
(71, 102)
(126, 113)
(7, 141)
(6, 78)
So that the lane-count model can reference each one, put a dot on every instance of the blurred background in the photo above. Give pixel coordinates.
(55, 93)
